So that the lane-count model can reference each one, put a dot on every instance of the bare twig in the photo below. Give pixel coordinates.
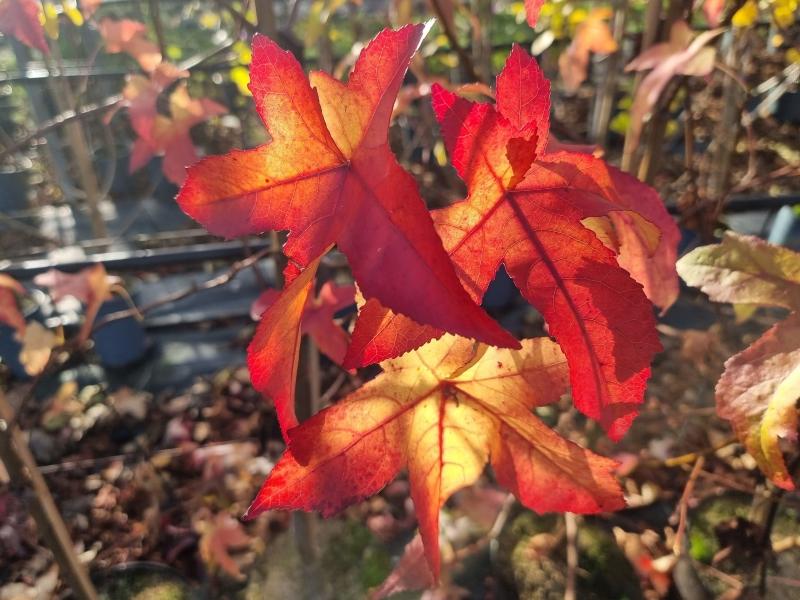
(212, 283)
(683, 505)
(158, 26)
(571, 527)
(463, 55)
(692, 457)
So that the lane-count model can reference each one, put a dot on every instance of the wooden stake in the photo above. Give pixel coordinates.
(22, 468)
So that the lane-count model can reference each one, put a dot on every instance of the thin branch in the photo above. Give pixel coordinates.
(158, 26)
(62, 119)
(212, 283)
(683, 505)
(571, 523)
(463, 55)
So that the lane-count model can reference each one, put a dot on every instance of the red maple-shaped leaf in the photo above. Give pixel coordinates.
(130, 37)
(20, 19)
(140, 96)
(329, 176)
(443, 412)
(532, 10)
(169, 135)
(317, 318)
(10, 313)
(525, 210)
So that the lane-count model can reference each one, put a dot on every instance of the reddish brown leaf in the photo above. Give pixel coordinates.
(683, 54)
(410, 573)
(532, 9)
(273, 352)
(219, 536)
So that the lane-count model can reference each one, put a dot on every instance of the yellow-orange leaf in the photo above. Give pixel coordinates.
(443, 412)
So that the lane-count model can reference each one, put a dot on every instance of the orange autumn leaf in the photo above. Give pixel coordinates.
(170, 135)
(10, 314)
(317, 319)
(91, 286)
(273, 352)
(20, 19)
(130, 37)
(141, 93)
(592, 36)
(443, 412)
(329, 177)
(555, 222)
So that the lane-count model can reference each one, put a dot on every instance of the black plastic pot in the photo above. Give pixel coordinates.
(121, 342)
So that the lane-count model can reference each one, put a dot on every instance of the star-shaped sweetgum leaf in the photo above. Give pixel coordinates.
(170, 135)
(443, 412)
(530, 212)
(329, 177)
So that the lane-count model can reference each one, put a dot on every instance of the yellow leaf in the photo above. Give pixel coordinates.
(174, 52)
(619, 124)
(577, 16)
(241, 77)
(73, 13)
(747, 15)
(441, 413)
(209, 20)
(37, 344)
(784, 14)
(49, 20)
(439, 153)
(743, 312)
(243, 53)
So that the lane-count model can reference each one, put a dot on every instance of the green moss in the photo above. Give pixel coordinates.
(539, 573)
(703, 542)
(140, 585)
